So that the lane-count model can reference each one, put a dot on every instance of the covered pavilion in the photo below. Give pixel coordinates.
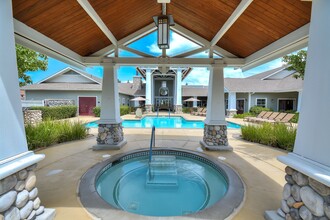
(242, 34)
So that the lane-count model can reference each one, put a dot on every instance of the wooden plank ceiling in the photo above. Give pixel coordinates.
(263, 22)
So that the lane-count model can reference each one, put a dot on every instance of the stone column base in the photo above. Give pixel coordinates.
(178, 109)
(231, 112)
(302, 198)
(215, 138)
(148, 108)
(19, 197)
(110, 137)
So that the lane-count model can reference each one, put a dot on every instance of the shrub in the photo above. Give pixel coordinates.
(246, 114)
(124, 110)
(276, 135)
(186, 109)
(97, 111)
(255, 110)
(51, 132)
(57, 112)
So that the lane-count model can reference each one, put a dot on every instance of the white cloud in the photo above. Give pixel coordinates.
(198, 76)
(231, 72)
(178, 45)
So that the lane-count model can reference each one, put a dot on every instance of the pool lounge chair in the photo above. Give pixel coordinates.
(199, 110)
(265, 116)
(287, 118)
(203, 112)
(258, 116)
(270, 118)
(279, 117)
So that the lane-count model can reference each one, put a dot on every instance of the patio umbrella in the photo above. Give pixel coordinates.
(192, 100)
(138, 99)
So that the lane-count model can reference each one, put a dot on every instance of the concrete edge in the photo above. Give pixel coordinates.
(272, 215)
(110, 146)
(216, 148)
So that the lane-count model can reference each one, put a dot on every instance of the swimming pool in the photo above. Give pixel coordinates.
(162, 122)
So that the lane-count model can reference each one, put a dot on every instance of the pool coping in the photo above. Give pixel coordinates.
(225, 208)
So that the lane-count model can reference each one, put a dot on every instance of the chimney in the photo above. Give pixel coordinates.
(137, 82)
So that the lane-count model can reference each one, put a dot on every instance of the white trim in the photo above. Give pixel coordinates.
(297, 39)
(137, 34)
(137, 52)
(98, 21)
(272, 74)
(191, 52)
(35, 40)
(104, 51)
(231, 20)
(293, 99)
(67, 69)
(96, 101)
(256, 103)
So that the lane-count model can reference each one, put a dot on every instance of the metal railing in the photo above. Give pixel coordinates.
(152, 145)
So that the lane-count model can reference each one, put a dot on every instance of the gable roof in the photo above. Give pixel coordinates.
(67, 70)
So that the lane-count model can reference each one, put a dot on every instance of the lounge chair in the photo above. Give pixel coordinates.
(265, 116)
(138, 113)
(203, 112)
(279, 117)
(270, 118)
(287, 118)
(258, 116)
(199, 110)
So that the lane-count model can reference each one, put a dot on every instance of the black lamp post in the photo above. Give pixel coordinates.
(163, 23)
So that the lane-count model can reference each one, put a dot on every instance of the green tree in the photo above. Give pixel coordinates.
(297, 62)
(29, 60)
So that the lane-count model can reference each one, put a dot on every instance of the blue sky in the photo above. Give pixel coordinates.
(148, 44)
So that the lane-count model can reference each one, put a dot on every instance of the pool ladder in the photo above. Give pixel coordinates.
(152, 144)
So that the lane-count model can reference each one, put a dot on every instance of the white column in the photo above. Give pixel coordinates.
(216, 98)
(110, 108)
(231, 111)
(299, 101)
(179, 87)
(14, 154)
(249, 101)
(148, 87)
(195, 102)
(311, 150)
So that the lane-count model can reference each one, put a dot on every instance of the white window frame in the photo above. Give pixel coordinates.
(243, 101)
(294, 102)
(261, 98)
(123, 101)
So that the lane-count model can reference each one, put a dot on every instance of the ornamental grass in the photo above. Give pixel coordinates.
(52, 132)
(276, 135)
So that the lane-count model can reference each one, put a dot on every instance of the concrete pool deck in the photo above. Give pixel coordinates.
(59, 173)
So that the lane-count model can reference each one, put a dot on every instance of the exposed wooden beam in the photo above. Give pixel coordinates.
(138, 34)
(296, 40)
(98, 21)
(200, 40)
(192, 52)
(33, 39)
(105, 51)
(137, 52)
(231, 20)
(167, 61)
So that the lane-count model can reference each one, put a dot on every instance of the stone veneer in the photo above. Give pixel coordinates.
(215, 137)
(304, 198)
(110, 134)
(19, 196)
(178, 109)
(32, 116)
(58, 102)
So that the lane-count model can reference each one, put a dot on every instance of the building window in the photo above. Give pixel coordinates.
(261, 102)
(226, 104)
(123, 101)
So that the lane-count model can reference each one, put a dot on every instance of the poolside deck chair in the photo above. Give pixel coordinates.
(279, 117)
(199, 110)
(270, 118)
(138, 113)
(265, 116)
(203, 112)
(258, 116)
(287, 118)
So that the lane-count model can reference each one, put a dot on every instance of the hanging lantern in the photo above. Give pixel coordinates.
(163, 23)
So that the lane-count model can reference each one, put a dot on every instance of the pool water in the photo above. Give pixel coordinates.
(162, 122)
(189, 188)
